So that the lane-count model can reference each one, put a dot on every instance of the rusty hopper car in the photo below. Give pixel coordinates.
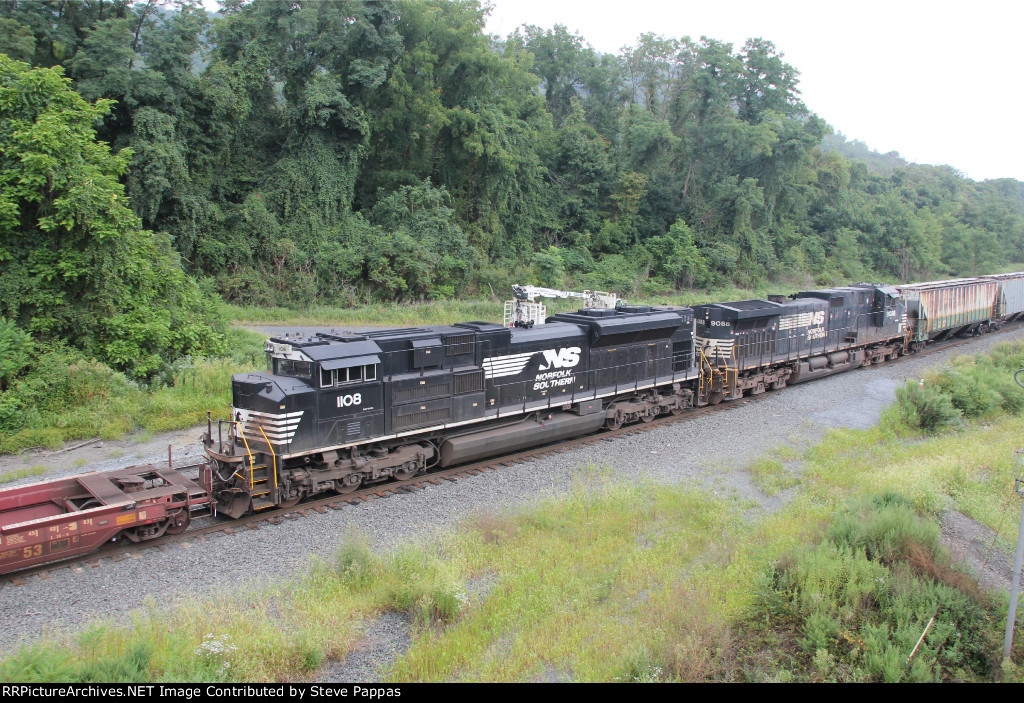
(942, 309)
(749, 346)
(337, 411)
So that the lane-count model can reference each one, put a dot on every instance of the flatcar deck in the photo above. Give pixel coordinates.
(60, 518)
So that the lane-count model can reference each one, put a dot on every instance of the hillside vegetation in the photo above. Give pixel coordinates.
(156, 160)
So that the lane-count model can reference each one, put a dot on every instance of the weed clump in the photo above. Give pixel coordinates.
(41, 664)
(925, 407)
(970, 388)
(354, 563)
(983, 386)
(853, 607)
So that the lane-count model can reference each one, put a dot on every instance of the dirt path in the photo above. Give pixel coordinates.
(104, 455)
(978, 548)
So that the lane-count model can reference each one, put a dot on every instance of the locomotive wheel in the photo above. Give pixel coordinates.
(289, 502)
(406, 471)
(349, 484)
(178, 522)
(648, 416)
(615, 422)
(678, 411)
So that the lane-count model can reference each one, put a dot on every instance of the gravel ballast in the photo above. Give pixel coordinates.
(704, 452)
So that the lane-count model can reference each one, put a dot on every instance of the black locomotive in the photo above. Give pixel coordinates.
(750, 346)
(336, 411)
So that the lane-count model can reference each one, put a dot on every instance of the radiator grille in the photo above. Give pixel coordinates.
(469, 382)
(459, 344)
(423, 417)
(420, 392)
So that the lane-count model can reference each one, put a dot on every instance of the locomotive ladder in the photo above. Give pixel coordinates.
(718, 377)
(258, 476)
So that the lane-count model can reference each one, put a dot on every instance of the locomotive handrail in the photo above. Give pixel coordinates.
(273, 454)
(252, 460)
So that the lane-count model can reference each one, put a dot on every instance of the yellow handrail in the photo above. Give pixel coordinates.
(252, 459)
(273, 455)
(723, 368)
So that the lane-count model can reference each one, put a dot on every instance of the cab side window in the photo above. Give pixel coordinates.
(296, 369)
(352, 374)
(327, 378)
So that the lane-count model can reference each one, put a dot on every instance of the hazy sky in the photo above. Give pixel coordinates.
(939, 81)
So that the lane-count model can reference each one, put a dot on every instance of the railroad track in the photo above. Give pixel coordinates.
(112, 553)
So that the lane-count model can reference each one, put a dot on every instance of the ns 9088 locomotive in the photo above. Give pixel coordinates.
(336, 411)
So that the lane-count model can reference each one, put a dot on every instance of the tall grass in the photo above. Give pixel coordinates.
(67, 398)
(589, 587)
(853, 607)
(970, 387)
(378, 314)
(612, 582)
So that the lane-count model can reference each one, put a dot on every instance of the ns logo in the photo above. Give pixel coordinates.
(561, 359)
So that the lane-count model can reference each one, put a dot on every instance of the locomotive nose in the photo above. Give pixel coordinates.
(256, 392)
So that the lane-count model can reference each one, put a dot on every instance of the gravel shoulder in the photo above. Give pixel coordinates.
(708, 453)
(107, 455)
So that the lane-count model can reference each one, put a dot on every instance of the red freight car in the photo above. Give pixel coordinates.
(60, 518)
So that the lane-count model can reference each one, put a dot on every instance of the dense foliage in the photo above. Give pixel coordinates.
(970, 387)
(74, 263)
(339, 150)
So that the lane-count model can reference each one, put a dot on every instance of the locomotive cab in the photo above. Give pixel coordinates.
(333, 393)
(349, 401)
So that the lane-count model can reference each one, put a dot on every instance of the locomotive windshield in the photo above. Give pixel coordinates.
(291, 367)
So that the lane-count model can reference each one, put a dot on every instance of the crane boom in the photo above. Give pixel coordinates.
(525, 311)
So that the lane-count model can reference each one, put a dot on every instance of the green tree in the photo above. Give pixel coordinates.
(16, 40)
(73, 262)
(561, 59)
(677, 258)
(465, 115)
(15, 351)
(579, 180)
(548, 269)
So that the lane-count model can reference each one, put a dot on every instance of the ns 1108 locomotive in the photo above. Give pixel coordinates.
(336, 411)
